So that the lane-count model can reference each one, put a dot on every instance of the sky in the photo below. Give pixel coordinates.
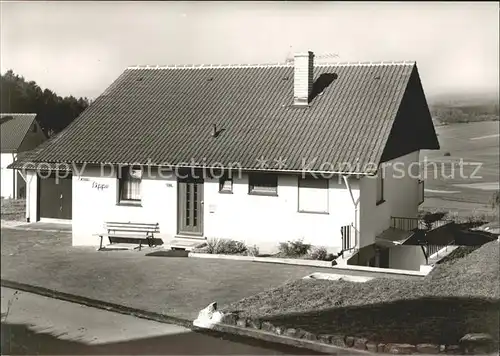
(79, 48)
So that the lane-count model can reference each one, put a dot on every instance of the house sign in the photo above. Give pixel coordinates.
(99, 186)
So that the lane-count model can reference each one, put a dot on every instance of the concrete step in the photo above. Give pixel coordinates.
(342, 260)
(120, 247)
(186, 244)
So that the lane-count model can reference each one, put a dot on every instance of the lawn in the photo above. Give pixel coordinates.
(176, 286)
(458, 297)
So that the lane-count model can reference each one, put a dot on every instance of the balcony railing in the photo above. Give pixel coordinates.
(405, 224)
(411, 224)
(432, 249)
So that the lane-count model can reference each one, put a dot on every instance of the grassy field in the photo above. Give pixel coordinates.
(475, 144)
(458, 297)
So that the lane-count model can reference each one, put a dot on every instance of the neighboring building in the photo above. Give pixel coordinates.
(19, 133)
(277, 123)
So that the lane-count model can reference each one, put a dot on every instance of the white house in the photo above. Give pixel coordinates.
(258, 153)
(19, 133)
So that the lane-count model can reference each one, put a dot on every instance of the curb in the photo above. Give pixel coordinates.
(285, 261)
(95, 303)
(19, 227)
(315, 263)
(336, 343)
(301, 343)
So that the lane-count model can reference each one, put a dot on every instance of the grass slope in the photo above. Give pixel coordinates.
(459, 296)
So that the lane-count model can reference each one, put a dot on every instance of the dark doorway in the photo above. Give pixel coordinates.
(55, 197)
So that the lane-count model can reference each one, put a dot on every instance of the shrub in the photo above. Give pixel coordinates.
(430, 218)
(225, 247)
(320, 253)
(447, 154)
(295, 248)
(476, 220)
(200, 249)
(253, 251)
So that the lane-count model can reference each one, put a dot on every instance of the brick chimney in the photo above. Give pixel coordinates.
(303, 77)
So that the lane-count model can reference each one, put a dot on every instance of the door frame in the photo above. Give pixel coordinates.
(200, 183)
(39, 186)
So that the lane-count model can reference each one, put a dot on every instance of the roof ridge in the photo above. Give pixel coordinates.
(269, 65)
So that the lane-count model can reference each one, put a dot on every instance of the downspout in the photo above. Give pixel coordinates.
(355, 203)
(28, 198)
(14, 192)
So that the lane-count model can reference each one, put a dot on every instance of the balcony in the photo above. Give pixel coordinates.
(405, 224)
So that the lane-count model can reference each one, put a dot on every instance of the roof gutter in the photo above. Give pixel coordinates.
(295, 171)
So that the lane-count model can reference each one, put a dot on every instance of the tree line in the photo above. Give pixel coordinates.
(450, 114)
(54, 112)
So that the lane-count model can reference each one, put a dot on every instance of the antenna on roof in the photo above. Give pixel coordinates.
(326, 56)
(289, 56)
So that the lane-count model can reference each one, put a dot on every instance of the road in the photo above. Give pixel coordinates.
(34, 324)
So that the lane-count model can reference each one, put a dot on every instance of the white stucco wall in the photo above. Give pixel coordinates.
(261, 220)
(7, 177)
(406, 257)
(400, 195)
(266, 221)
(95, 201)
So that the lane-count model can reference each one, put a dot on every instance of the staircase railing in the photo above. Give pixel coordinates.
(348, 233)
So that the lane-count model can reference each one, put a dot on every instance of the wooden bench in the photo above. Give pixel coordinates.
(129, 230)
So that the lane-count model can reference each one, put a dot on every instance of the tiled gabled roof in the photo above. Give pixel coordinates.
(13, 128)
(164, 116)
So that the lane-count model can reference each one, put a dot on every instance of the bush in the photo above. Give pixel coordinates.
(320, 253)
(295, 248)
(430, 218)
(476, 220)
(447, 154)
(225, 247)
(253, 251)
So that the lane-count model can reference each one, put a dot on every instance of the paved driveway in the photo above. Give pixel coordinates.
(37, 325)
(175, 286)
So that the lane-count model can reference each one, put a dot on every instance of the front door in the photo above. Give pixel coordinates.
(55, 197)
(190, 207)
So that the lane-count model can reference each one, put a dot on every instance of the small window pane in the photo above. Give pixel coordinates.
(130, 184)
(263, 184)
(226, 185)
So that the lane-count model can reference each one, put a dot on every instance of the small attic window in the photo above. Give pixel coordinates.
(210, 79)
(285, 78)
(139, 79)
(377, 77)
